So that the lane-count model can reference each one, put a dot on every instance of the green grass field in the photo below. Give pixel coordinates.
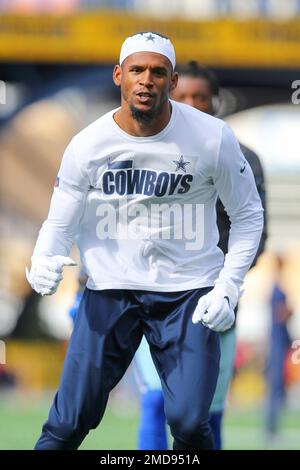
(21, 419)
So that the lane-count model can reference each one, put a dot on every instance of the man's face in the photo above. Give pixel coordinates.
(194, 91)
(146, 80)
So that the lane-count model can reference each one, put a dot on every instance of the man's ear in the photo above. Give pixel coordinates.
(117, 75)
(174, 81)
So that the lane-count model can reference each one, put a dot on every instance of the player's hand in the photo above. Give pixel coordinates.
(215, 310)
(46, 273)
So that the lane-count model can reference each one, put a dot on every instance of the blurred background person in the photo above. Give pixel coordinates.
(82, 280)
(198, 87)
(279, 346)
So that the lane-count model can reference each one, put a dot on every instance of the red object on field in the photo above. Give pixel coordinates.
(291, 369)
(243, 354)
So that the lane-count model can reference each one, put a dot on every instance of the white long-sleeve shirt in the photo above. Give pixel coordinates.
(142, 209)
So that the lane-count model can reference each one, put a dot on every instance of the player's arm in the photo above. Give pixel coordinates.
(259, 178)
(58, 231)
(236, 187)
(234, 181)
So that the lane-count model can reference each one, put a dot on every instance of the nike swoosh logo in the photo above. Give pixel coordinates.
(243, 169)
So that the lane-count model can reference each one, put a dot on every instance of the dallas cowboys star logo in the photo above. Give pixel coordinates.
(181, 164)
(150, 37)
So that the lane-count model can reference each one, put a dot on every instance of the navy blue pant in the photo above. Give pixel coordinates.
(107, 332)
(279, 346)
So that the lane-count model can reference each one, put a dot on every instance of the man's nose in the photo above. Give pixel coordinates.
(146, 78)
(190, 100)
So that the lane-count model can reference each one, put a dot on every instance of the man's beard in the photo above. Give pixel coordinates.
(144, 117)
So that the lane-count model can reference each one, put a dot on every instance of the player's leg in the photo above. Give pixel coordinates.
(106, 335)
(152, 434)
(227, 348)
(187, 359)
(279, 345)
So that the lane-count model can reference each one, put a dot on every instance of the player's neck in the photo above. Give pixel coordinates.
(123, 117)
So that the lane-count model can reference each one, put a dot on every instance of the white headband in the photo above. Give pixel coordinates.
(148, 42)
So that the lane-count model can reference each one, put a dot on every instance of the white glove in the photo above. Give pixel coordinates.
(46, 273)
(216, 309)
